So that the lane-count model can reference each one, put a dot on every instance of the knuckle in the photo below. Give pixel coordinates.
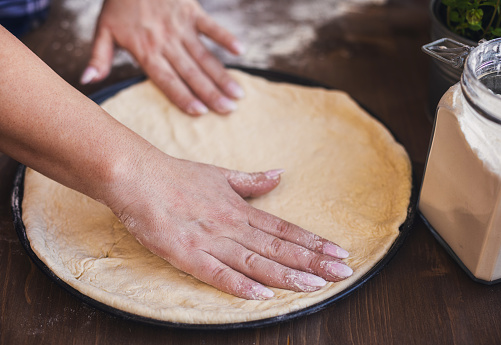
(311, 242)
(149, 34)
(315, 263)
(213, 96)
(251, 261)
(223, 77)
(202, 55)
(149, 60)
(189, 243)
(221, 275)
(145, 45)
(275, 249)
(188, 71)
(207, 224)
(284, 227)
(172, 86)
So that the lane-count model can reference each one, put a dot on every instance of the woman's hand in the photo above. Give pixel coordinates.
(194, 216)
(163, 36)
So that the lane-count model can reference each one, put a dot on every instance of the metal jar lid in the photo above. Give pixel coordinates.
(448, 51)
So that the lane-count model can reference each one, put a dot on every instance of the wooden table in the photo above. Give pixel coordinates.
(373, 52)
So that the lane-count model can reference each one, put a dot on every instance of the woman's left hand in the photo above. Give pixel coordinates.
(164, 37)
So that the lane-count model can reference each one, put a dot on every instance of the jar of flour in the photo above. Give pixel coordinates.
(460, 197)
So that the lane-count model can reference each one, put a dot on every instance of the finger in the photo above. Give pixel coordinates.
(202, 86)
(293, 233)
(99, 65)
(210, 270)
(208, 26)
(163, 75)
(292, 255)
(213, 68)
(264, 270)
(252, 184)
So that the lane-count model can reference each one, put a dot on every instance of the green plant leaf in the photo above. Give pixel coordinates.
(454, 17)
(475, 27)
(474, 17)
(496, 32)
(466, 5)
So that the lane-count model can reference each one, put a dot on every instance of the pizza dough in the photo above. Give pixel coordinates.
(345, 179)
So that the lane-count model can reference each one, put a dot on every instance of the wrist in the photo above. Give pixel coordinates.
(131, 176)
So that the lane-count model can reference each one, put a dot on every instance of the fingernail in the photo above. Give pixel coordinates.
(197, 108)
(336, 251)
(89, 74)
(313, 280)
(225, 105)
(261, 292)
(305, 282)
(338, 269)
(234, 90)
(274, 174)
(238, 47)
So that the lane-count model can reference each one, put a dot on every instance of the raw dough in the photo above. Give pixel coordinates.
(345, 179)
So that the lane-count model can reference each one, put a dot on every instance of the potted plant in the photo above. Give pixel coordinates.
(465, 21)
(472, 19)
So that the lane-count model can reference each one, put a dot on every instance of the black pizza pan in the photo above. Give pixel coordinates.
(100, 96)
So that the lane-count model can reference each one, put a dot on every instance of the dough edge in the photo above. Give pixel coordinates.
(284, 303)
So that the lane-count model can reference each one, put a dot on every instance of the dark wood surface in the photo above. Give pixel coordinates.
(421, 297)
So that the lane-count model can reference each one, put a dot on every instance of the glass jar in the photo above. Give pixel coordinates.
(460, 197)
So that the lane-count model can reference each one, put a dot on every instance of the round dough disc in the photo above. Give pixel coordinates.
(345, 179)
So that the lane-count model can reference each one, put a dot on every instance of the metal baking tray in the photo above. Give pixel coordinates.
(100, 96)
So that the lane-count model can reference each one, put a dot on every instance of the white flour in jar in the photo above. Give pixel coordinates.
(461, 191)
(483, 136)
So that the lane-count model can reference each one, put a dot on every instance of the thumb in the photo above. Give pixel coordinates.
(101, 58)
(252, 184)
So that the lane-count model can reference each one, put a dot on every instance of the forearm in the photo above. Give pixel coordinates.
(191, 214)
(48, 125)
